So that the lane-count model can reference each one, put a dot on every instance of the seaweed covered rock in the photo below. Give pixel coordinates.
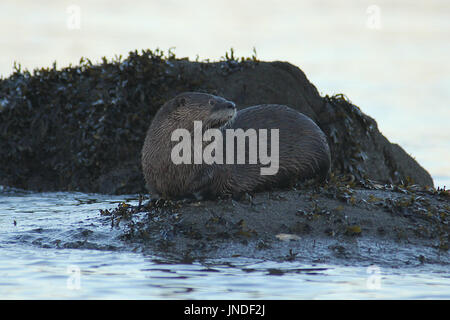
(82, 128)
(333, 223)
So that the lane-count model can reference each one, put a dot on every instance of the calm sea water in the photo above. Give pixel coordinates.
(39, 259)
(389, 57)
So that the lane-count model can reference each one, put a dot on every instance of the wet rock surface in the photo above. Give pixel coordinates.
(333, 223)
(82, 128)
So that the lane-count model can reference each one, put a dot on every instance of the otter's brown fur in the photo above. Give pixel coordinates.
(303, 149)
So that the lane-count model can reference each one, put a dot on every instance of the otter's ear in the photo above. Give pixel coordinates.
(182, 101)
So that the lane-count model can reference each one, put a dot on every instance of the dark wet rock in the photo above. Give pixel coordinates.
(82, 128)
(382, 224)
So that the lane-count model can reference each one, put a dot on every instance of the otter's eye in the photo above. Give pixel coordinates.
(212, 102)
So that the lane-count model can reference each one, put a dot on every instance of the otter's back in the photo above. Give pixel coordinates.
(303, 149)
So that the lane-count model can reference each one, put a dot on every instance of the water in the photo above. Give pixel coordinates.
(62, 248)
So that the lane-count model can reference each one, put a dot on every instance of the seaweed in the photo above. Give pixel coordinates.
(347, 130)
(81, 128)
(73, 124)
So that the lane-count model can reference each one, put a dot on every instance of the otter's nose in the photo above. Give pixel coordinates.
(230, 105)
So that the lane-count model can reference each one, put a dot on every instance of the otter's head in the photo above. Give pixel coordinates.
(213, 111)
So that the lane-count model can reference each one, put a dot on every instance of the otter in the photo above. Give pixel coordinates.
(302, 148)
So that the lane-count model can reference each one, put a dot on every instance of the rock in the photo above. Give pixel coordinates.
(82, 128)
(384, 226)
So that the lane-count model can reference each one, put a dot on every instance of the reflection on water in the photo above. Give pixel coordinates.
(57, 246)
